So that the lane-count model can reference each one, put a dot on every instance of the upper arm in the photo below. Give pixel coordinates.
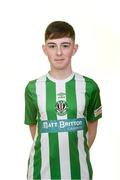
(94, 109)
(32, 130)
(92, 125)
(30, 106)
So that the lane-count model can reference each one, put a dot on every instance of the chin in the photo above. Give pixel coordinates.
(59, 68)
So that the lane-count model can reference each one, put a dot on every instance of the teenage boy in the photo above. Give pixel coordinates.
(62, 109)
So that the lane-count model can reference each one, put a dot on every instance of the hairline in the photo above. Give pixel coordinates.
(73, 40)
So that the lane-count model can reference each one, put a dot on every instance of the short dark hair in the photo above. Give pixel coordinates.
(59, 29)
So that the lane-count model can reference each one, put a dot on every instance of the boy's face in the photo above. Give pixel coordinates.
(59, 52)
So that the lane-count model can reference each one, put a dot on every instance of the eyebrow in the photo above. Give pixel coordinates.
(66, 43)
(61, 43)
(51, 43)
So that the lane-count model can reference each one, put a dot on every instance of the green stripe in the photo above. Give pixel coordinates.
(86, 148)
(53, 137)
(73, 139)
(37, 156)
(28, 166)
(37, 159)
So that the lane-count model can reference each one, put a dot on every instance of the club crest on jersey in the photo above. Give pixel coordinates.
(61, 107)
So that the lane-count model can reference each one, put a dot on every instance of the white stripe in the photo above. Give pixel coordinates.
(80, 95)
(82, 156)
(31, 163)
(63, 139)
(41, 95)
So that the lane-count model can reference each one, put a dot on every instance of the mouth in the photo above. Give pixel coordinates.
(59, 60)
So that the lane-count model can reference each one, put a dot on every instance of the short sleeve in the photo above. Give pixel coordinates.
(94, 110)
(30, 107)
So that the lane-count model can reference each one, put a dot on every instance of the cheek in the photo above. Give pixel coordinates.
(50, 55)
(68, 54)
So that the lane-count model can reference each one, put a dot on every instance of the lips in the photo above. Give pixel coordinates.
(59, 59)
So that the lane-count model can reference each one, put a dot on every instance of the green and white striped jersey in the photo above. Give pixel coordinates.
(61, 110)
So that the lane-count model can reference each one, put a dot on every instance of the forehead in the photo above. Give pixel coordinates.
(60, 40)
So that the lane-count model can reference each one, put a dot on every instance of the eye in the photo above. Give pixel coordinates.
(52, 46)
(65, 45)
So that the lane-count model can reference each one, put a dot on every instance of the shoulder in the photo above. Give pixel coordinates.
(31, 85)
(90, 83)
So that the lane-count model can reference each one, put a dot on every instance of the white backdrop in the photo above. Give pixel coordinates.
(22, 25)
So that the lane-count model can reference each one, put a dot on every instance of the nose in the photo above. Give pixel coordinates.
(59, 51)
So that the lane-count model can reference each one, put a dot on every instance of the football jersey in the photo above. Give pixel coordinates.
(61, 109)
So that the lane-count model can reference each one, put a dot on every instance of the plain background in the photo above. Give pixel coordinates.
(22, 25)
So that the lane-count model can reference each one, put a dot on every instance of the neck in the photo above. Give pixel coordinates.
(60, 74)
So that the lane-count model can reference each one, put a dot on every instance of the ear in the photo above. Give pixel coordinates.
(75, 49)
(44, 49)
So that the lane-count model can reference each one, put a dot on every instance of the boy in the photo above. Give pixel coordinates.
(62, 109)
